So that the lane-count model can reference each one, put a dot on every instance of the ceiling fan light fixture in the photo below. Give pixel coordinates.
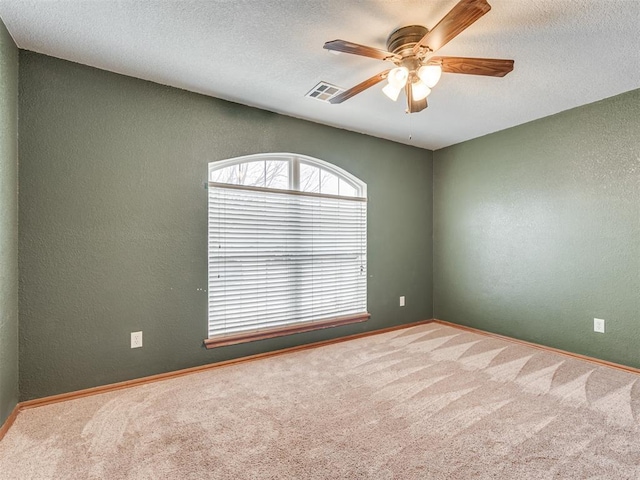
(391, 91)
(430, 74)
(411, 48)
(398, 77)
(419, 91)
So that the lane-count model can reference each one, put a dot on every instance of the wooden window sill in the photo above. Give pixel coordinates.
(244, 337)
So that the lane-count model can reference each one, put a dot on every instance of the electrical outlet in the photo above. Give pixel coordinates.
(598, 325)
(136, 339)
(402, 301)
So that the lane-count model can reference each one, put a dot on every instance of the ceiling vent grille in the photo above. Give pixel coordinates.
(324, 91)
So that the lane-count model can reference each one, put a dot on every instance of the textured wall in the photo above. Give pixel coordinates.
(113, 214)
(8, 224)
(537, 230)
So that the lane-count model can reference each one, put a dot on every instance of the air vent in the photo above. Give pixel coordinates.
(324, 91)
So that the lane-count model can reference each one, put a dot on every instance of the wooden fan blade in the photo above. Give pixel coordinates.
(492, 67)
(459, 18)
(413, 106)
(355, 49)
(361, 87)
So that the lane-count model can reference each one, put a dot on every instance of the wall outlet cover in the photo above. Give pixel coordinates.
(402, 301)
(136, 339)
(598, 325)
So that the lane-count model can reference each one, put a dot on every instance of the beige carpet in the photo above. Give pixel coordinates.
(428, 402)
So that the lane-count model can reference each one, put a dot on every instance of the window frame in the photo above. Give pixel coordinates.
(294, 163)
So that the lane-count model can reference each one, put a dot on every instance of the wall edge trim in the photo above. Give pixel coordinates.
(39, 402)
(578, 356)
(9, 421)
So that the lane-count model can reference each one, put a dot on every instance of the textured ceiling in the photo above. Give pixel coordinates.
(268, 54)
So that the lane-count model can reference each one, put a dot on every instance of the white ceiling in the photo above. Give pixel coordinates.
(268, 54)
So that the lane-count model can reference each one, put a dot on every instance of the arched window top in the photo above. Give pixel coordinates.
(287, 171)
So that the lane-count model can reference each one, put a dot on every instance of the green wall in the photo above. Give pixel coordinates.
(8, 224)
(537, 230)
(113, 222)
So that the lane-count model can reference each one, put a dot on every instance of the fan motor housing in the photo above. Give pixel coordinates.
(402, 40)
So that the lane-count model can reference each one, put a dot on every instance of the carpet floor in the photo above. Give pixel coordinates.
(426, 402)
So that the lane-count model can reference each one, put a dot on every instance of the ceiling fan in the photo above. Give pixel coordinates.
(411, 49)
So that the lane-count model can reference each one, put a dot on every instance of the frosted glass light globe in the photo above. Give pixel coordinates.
(419, 91)
(398, 77)
(391, 91)
(430, 74)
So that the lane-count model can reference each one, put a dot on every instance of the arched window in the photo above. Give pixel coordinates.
(288, 172)
(287, 247)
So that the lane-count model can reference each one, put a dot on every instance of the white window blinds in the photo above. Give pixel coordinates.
(279, 258)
